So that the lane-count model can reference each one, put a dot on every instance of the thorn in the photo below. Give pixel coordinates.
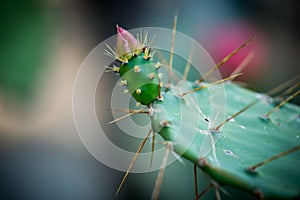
(236, 114)
(224, 60)
(224, 191)
(145, 39)
(146, 53)
(204, 191)
(136, 69)
(152, 149)
(138, 37)
(172, 49)
(123, 82)
(289, 90)
(159, 89)
(188, 64)
(282, 103)
(211, 84)
(112, 69)
(132, 162)
(110, 52)
(116, 69)
(151, 41)
(160, 175)
(254, 167)
(108, 69)
(128, 110)
(196, 181)
(152, 76)
(244, 63)
(282, 86)
(138, 91)
(217, 193)
(127, 115)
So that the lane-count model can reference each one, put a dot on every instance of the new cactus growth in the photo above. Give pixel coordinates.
(137, 69)
(254, 149)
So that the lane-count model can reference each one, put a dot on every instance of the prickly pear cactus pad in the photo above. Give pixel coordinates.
(242, 142)
(253, 149)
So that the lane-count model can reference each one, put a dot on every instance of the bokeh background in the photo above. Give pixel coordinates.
(42, 44)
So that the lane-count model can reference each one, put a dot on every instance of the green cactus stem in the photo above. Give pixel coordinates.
(141, 78)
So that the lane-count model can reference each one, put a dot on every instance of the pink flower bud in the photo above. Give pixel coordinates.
(126, 43)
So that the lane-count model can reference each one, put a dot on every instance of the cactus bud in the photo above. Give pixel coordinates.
(137, 68)
(127, 45)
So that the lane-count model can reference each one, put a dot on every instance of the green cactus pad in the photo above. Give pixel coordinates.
(225, 150)
(240, 143)
(141, 78)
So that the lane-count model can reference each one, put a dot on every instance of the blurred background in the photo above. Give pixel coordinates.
(42, 44)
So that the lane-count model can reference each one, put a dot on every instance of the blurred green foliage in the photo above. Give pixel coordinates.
(25, 41)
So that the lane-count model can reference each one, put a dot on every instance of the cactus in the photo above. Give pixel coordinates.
(252, 150)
